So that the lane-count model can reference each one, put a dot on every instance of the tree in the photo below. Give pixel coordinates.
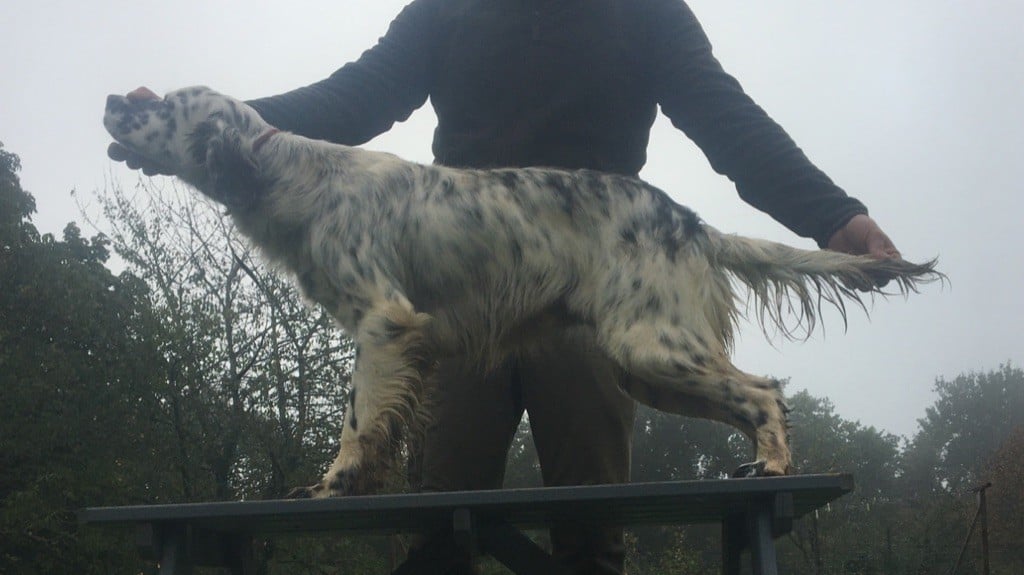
(668, 446)
(853, 529)
(254, 380)
(16, 206)
(1005, 470)
(76, 359)
(973, 415)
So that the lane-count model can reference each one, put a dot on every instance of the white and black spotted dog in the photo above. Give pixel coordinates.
(419, 263)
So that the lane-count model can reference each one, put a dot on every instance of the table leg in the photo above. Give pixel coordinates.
(762, 544)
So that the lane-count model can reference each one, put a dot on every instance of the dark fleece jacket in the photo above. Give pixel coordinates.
(569, 84)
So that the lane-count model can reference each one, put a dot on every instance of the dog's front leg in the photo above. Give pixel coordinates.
(386, 399)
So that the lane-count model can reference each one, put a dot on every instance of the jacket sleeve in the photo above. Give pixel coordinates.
(739, 139)
(366, 97)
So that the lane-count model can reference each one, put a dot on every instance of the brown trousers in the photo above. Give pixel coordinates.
(581, 424)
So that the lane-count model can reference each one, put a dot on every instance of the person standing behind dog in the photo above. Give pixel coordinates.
(569, 84)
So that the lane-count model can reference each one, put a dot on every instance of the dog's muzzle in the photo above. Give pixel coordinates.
(129, 112)
(135, 99)
(117, 104)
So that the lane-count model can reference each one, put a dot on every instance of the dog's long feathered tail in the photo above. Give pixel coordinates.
(784, 279)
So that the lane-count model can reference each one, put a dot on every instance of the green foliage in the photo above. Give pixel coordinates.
(965, 439)
(667, 446)
(824, 442)
(675, 550)
(523, 466)
(16, 206)
(832, 539)
(76, 362)
(974, 414)
(1005, 470)
(253, 378)
(332, 555)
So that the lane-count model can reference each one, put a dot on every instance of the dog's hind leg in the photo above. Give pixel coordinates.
(385, 401)
(676, 370)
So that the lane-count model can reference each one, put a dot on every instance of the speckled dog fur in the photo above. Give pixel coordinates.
(418, 263)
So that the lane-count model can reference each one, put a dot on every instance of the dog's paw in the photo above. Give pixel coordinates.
(319, 491)
(752, 469)
(759, 468)
(305, 492)
(339, 484)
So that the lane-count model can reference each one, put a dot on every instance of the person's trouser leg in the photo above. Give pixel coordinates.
(475, 419)
(582, 425)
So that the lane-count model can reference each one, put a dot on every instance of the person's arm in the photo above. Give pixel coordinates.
(366, 97)
(739, 139)
(359, 101)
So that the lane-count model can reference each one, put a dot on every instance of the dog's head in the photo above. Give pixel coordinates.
(203, 137)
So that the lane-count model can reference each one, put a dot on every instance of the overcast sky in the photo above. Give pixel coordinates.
(916, 107)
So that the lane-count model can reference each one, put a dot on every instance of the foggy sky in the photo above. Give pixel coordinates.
(913, 106)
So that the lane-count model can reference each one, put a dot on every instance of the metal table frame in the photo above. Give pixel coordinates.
(752, 513)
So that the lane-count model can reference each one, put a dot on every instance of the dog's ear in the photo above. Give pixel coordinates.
(231, 171)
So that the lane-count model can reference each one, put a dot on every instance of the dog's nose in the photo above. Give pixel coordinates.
(141, 94)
